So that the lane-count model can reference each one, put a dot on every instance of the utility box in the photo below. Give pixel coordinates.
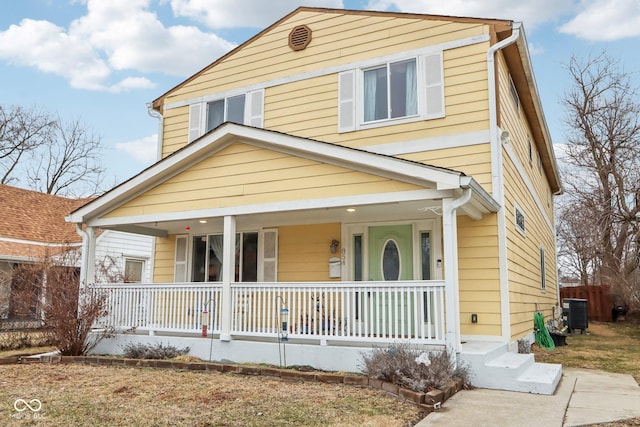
(575, 313)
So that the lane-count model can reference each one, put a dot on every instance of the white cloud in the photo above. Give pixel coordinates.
(143, 150)
(605, 20)
(114, 35)
(134, 38)
(532, 13)
(535, 49)
(242, 13)
(48, 48)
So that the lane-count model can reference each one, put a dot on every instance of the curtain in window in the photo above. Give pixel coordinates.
(370, 84)
(215, 114)
(412, 89)
(216, 244)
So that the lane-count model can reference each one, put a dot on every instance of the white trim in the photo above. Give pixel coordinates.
(45, 244)
(294, 205)
(528, 184)
(333, 70)
(429, 144)
(497, 173)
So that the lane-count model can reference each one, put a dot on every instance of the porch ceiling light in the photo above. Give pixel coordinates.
(203, 221)
(351, 209)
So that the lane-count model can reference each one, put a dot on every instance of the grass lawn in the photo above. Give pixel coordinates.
(612, 347)
(83, 395)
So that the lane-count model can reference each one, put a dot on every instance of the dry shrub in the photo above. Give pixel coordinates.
(155, 351)
(397, 364)
(51, 290)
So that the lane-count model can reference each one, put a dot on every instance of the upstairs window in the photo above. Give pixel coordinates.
(390, 91)
(225, 110)
(401, 91)
(244, 109)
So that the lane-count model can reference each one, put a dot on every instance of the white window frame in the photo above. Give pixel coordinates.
(142, 270)
(387, 65)
(351, 102)
(521, 229)
(514, 93)
(253, 111)
(543, 269)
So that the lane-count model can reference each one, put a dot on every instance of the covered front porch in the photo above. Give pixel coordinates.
(360, 249)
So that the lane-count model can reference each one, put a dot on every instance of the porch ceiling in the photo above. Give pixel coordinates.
(384, 212)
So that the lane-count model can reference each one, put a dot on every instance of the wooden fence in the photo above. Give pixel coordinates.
(599, 300)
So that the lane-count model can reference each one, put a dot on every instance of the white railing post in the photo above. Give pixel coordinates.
(228, 275)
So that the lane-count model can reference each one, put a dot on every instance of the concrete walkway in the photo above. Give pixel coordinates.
(583, 397)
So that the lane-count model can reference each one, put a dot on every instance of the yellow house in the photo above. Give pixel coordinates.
(376, 177)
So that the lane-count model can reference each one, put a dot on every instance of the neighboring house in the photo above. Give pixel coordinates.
(384, 177)
(32, 227)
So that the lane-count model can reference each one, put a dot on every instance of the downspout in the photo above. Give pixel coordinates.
(83, 254)
(496, 178)
(450, 228)
(156, 115)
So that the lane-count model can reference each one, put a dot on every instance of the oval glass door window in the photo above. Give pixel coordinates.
(390, 261)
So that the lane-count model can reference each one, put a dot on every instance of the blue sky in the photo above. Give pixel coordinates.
(103, 60)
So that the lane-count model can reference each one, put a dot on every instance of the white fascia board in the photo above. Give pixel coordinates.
(35, 243)
(294, 205)
(523, 48)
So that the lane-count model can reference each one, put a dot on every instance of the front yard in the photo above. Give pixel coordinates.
(612, 347)
(81, 395)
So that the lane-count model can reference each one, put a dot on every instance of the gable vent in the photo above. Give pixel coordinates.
(299, 37)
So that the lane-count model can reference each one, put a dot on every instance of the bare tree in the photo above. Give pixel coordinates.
(70, 161)
(44, 153)
(603, 123)
(578, 253)
(22, 131)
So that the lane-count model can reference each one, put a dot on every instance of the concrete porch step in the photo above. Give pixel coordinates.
(541, 378)
(493, 366)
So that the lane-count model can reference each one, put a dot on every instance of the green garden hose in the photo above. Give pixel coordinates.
(543, 339)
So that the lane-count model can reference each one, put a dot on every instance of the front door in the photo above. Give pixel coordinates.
(391, 252)
(391, 259)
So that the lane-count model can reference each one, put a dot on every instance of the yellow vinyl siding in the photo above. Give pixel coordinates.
(337, 39)
(304, 252)
(523, 252)
(473, 160)
(526, 296)
(309, 108)
(479, 275)
(164, 260)
(244, 175)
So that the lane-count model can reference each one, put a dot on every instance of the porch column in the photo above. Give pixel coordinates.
(91, 256)
(228, 275)
(87, 255)
(450, 252)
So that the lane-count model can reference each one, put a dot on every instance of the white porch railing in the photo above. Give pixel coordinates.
(410, 311)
